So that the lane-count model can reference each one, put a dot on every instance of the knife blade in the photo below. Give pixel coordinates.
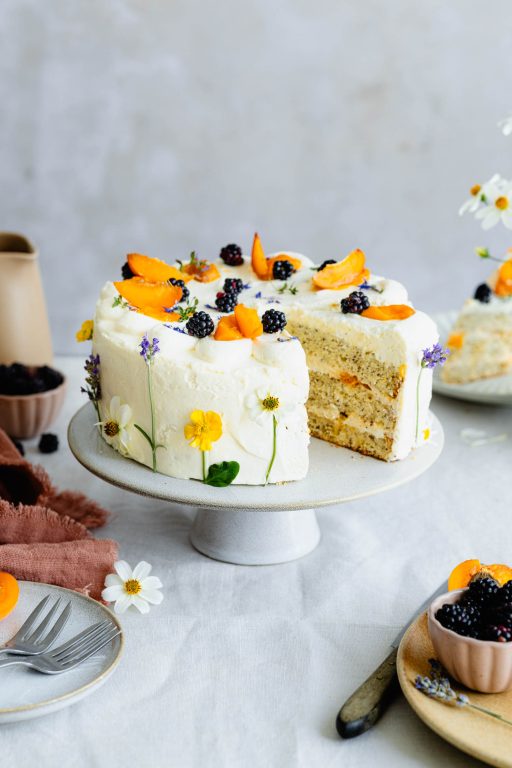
(368, 702)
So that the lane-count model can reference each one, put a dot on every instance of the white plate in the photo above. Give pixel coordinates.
(24, 693)
(496, 391)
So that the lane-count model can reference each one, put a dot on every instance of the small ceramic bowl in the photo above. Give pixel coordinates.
(482, 665)
(25, 416)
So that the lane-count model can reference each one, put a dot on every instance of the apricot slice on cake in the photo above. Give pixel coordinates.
(201, 270)
(162, 315)
(389, 312)
(227, 329)
(468, 570)
(258, 258)
(504, 282)
(9, 593)
(350, 271)
(154, 270)
(248, 321)
(140, 293)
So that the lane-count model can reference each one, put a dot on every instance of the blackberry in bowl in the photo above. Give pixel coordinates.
(30, 398)
(470, 638)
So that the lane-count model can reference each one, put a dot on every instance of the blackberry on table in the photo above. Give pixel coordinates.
(483, 293)
(200, 325)
(48, 443)
(273, 321)
(356, 303)
(233, 285)
(126, 271)
(282, 270)
(232, 255)
(226, 302)
(325, 264)
(180, 284)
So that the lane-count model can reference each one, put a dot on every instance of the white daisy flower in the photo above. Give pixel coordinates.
(116, 425)
(263, 404)
(127, 587)
(498, 205)
(479, 194)
(506, 125)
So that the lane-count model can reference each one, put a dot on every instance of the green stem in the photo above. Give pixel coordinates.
(418, 403)
(153, 446)
(203, 460)
(274, 446)
(491, 714)
(97, 408)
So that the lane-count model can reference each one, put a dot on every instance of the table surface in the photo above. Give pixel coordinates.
(248, 666)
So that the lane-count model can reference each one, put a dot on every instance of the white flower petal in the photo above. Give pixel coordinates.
(115, 404)
(151, 582)
(140, 604)
(113, 579)
(141, 570)
(124, 415)
(122, 603)
(151, 595)
(123, 569)
(110, 594)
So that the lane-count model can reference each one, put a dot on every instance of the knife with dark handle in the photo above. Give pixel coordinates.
(367, 704)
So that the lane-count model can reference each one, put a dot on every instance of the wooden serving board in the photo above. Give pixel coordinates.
(479, 735)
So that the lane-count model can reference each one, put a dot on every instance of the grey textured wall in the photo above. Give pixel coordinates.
(167, 125)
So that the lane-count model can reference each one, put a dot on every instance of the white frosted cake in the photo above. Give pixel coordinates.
(261, 352)
(481, 340)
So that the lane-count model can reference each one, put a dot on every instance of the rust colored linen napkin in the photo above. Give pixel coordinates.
(44, 533)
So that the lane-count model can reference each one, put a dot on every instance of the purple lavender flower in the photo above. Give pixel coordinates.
(148, 349)
(434, 357)
(92, 368)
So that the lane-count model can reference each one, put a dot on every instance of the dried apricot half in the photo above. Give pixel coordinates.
(350, 271)
(465, 572)
(9, 593)
(140, 293)
(154, 270)
(389, 312)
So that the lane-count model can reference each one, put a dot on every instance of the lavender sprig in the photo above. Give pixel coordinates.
(148, 352)
(437, 686)
(148, 349)
(431, 358)
(92, 380)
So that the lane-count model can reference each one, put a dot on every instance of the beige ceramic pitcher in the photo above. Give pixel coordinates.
(24, 329)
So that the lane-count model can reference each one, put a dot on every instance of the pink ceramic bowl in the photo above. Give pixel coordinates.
(25, 416)
(482, 665)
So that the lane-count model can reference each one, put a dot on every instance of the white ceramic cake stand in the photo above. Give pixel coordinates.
(255, 525)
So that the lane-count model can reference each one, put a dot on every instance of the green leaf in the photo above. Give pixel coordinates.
(143, 432)
(223, 474)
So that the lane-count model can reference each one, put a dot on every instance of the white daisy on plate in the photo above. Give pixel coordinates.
(506, 125)
(116, 424)
(135, 587)
(498, 205)
(264, 404)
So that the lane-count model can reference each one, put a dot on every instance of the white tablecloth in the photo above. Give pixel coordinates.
(248, 666)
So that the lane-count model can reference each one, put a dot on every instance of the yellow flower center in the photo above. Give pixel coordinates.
(132, 586)
(111, 428)
(475, 189)
(426, 434)
(270, 403)
(502, 203)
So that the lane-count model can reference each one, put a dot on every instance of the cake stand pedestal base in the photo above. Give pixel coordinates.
(239, 536)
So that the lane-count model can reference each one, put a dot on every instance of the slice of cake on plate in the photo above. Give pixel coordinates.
(204, 365)
(480, 342)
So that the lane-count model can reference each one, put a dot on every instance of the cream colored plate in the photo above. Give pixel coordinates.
(24, 693)
(473, 732)
(496, 391)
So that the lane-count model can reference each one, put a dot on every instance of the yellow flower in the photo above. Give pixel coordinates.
(205, 428)
(86, 331)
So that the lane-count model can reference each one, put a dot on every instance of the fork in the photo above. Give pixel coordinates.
(70, 654)
(32, 640)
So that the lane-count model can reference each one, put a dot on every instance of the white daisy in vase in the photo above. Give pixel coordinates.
(479, 194)
(134, 587)
(506, 125)
(498, 205)
(116, 425)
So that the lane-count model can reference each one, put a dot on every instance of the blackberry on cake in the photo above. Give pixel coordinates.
(273, 321)
(226, 302)
(200, 325)
(233, 285)
(232, 255)
(483, 293)
(356, 303)
(180, 284)
(282, 270)
(126, 272)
